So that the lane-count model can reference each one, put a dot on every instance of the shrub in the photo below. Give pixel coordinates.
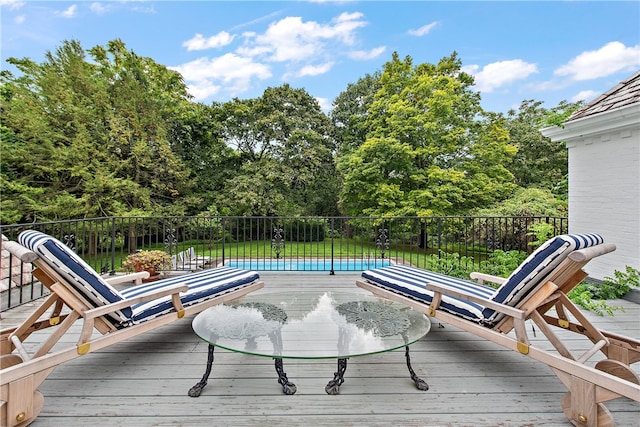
(143, 260)
(592, 296)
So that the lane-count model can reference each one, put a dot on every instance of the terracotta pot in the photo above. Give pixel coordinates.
(153, 274)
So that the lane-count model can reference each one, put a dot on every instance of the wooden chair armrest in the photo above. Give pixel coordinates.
(448, 291)
(483, 277)
(15, 248)
(133, 277)
(110, 308)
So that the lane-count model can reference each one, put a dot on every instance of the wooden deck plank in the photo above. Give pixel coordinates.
(144, 381)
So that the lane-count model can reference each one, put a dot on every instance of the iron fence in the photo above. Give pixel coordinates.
(327, 244)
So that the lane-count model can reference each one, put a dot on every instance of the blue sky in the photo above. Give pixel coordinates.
(543, 50)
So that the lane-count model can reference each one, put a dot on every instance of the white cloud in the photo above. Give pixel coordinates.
(198, 42)
(12, 4)
(312, 70)
(70, 12)
(257, 20)
(498, 74)
(203, 90)
(345, 27)
(364, 55)
(234, 73)
(585, 95)
(292, 39)
(609, 59)
(98, 8)
(288, 39)
(304, 48)
(325, 104)
(20, 19)
(424, 30)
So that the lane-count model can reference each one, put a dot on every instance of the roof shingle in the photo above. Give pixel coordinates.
(625, 93)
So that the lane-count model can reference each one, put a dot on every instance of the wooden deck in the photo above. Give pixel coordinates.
(144, 381)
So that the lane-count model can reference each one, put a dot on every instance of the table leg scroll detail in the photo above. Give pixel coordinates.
(196, 390)
(287, 387)
(420, 383)
(333, 387)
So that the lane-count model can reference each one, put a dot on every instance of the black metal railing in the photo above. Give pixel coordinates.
(274, 243)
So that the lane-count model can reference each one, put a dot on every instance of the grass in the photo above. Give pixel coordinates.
(260, 249)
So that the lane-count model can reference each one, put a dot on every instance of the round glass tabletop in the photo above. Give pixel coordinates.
(311, 325)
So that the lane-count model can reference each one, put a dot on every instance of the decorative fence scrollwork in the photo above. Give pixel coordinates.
(277, 242)
(382, 241)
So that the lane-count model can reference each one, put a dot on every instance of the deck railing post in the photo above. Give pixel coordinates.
(113, 247)
(224, 237)
(332, 271)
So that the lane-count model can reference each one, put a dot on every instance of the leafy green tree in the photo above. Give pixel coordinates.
(350, 112)
(88, 137)
(527, 202)
(46, 119)
(284, 143)
(539, 162)
(197, 136)
(146, 97)
(430, 149)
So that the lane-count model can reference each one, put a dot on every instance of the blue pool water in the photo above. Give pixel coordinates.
(308, 265)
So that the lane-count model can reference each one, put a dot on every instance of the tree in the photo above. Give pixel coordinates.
(285, 147)
(539, 162)
(89, 138)
(146, 97)
(527, 202)
(350, 112)
(430, 149)
(46, 119)
(197, 137)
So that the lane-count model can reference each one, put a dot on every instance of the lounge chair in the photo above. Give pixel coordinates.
(189, 260)
(79, 294)
(536, 290)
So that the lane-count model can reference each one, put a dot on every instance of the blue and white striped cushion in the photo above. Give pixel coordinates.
(203, 286)
(536, 268)
(411, 282)
(78, 273)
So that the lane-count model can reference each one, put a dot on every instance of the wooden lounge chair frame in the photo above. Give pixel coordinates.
(21, 373)
(189, 260)
(589, 385)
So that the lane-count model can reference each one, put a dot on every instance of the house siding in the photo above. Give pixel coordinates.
(603, 142)
(604, 196)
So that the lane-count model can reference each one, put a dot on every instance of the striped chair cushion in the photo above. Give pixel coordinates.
(203, 286)
(75, 271)
(411, 281)
(536, 268)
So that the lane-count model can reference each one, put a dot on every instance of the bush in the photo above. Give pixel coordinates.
(451, 264)
(503, 263)
(143, 260)
(592, 296)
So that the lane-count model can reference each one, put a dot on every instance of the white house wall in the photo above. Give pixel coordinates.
(604, 195)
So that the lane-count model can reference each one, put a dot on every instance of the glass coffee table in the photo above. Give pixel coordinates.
(310, 325)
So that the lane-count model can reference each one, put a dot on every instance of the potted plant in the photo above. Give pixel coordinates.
(153, 261)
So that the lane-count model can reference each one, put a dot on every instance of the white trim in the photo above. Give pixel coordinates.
(606, 122)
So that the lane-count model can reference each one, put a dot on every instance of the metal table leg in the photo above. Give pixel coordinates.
(420, 383)
(196, 390)
(333, 387)
(287, 387)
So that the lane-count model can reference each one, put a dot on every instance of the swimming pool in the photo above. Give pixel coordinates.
(308, 264)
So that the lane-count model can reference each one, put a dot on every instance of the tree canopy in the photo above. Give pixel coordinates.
(88, 138)
(429, 148)
(106, 132)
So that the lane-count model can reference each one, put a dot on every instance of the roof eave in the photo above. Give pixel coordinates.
(601, 123)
